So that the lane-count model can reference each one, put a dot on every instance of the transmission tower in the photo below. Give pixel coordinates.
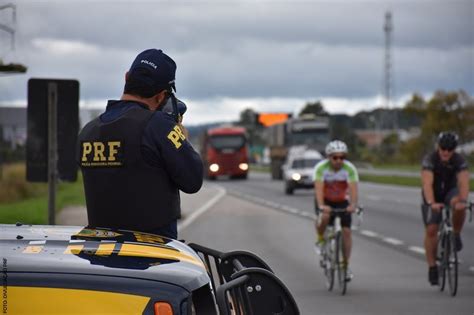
(12, 67)
(388, 65)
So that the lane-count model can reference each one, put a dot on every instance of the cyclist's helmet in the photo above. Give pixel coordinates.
(448, 140)
(336, 146)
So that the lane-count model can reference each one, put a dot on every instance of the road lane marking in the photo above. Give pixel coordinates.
(221, 192)
(417, 249)
(369, 233)
(290, 209)
(392, 241)
(305, 214)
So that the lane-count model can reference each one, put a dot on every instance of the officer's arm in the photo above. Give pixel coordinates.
(180, 160)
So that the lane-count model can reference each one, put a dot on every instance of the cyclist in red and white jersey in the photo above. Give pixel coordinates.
(336, 186)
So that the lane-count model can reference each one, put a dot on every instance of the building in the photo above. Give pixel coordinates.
(13, 123)
(13, 126)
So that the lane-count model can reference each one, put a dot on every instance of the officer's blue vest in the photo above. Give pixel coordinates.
(121, 190)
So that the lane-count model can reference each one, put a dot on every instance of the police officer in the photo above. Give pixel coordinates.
(445, 181)
(135, 157)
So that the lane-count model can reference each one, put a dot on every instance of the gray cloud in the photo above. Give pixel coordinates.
(245, 49)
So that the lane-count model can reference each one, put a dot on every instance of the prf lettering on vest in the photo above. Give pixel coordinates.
(102, 153)
(176, 136)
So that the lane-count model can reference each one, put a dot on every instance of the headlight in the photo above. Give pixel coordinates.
(296, 176)
(214, 167)
(243, 166)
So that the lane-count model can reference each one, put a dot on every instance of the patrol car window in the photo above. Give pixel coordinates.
(304, 163)
(227, 142)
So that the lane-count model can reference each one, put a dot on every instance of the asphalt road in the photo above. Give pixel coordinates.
(388, 264)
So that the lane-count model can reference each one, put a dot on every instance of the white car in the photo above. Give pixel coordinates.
(298, 171)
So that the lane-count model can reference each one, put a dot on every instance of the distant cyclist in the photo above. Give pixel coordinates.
(335, 185)
(445, 181)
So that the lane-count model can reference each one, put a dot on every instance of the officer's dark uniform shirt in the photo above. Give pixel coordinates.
(134, 162)
(444, 173)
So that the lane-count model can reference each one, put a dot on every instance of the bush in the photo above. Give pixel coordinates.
(13, 184)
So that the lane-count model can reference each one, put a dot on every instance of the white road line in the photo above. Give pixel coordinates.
(392, 241)
(416, 249)
(187, 221)
(307, 214)
(369, 233)
(290, 209)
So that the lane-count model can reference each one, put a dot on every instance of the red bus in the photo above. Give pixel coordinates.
(225, 152)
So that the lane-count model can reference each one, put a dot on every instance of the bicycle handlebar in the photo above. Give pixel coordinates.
(469, 206)
(358, 210)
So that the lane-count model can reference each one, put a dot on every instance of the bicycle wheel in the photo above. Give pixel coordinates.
(341, 267)
(452, 264)
(329, 263)
(442, 260)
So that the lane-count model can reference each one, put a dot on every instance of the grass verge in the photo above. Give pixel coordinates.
(260, 168)
(399, 180)
(35, 210)
(25, 202)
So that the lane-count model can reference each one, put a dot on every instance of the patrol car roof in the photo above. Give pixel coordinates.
(79, 250)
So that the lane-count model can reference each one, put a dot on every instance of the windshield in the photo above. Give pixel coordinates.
(304, 163)
(227, 142)
(316, 138)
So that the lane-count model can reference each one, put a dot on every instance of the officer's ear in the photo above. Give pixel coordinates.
(160, 99)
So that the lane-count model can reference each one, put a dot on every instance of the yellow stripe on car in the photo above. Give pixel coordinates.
(105, 249)
(157, 252)
(73, 249)
(33, 249)
(40, 300)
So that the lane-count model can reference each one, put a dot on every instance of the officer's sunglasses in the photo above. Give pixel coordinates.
(337, 157)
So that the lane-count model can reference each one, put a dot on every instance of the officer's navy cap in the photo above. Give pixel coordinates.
(154, 68)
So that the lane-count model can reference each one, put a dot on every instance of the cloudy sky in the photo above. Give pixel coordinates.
(268, 55)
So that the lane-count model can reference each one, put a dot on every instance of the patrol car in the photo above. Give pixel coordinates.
(80, 270)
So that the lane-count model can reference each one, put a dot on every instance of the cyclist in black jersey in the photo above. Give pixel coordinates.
(445, 182)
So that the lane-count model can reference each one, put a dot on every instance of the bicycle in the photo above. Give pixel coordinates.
(447, 257)
(332, 258)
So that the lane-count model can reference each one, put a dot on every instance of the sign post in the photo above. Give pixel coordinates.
(52, 150)
(53, 126)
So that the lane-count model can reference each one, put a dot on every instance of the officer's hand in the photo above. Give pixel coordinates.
(437, 206)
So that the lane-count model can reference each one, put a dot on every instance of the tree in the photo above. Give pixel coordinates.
(248, 117)
(315, 108)
(452, 111)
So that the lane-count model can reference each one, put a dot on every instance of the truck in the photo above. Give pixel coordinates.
(308, 130)
(224, 151)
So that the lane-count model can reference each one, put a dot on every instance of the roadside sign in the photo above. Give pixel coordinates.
(46, 96)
